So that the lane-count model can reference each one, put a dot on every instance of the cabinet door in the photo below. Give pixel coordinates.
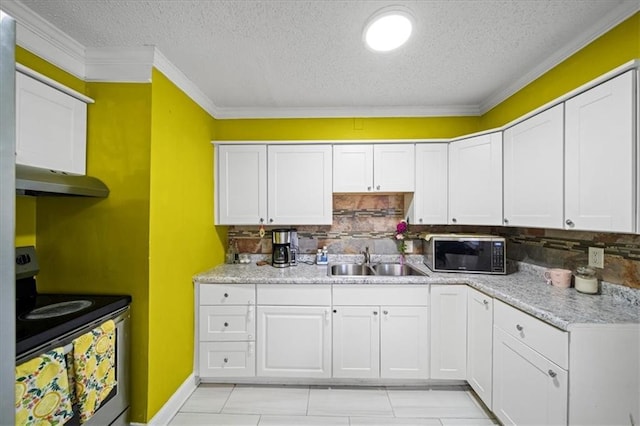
(533, 171)
(241, 184)
(294, 341)
(449, 332)
(600, 158)
(528, 389)
(404, 343)
(430, 200)
(356, 341)
(475, 180)
(394, 167)
(51, 127)
(299, 185)
(480, 343)
(352, 168)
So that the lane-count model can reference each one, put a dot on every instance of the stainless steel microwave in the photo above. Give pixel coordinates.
(477, 254)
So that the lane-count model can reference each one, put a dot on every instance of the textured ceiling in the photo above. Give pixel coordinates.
(261, 57)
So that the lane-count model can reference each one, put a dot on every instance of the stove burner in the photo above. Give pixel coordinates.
(57, 309)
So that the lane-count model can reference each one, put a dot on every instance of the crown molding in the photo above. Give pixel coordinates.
(178, 78)
(606, 23)
(342, 112)
(40, 37)
(120, 65)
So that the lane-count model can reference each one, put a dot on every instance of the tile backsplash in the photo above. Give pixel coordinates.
(364, 220)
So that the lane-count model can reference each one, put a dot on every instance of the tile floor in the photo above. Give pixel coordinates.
(331, 406)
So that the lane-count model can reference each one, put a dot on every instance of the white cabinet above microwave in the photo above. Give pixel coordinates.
(51, 124)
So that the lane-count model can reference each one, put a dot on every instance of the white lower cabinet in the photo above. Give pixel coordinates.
(389, 342)
(227, 359)
(449, 332)
(529, 388)
(480, 344)
(294, 339)
(356, 341)
(376, 340)
(225, 320)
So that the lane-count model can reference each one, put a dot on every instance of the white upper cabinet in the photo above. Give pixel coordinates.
(299, 185)
(475, 180)
(373, 168)
(241, 184)
(600, 157)
(51, 127)
(352, 168)
(533, 171)
(428, 205)
(274, 185)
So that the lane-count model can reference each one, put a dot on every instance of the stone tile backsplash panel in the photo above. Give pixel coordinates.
(364, 220)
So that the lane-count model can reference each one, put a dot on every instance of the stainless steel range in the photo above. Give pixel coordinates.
(48, 321)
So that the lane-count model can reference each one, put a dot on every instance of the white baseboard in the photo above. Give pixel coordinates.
(171, 407)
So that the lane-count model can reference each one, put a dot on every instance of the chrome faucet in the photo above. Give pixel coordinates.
(367, 256)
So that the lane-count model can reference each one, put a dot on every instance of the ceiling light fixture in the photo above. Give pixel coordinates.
(388, 29)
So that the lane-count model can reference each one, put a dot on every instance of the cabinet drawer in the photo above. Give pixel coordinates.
(543, 338)
(294, 294)
(227, 359)
(227, 323)
(227, 294)
(389, 295)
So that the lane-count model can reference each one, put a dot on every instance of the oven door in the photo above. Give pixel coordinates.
(463, 255)
(114, 409)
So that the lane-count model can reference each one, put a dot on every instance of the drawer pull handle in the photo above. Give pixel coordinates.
(569, 222)
(226, 360)
(335, 311)
(486, 302)
(226, 324)
(226, 295)
(375, 312)
(552, 373)
(519, 327)
(385, 312)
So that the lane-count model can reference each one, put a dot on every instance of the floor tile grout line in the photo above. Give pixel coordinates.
(227, 399)
(393, 411)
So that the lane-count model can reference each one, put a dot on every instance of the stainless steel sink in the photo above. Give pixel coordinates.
(350, 269)
(380, 269)
(397, 269)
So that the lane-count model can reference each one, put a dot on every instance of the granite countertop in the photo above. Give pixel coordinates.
(524, 289)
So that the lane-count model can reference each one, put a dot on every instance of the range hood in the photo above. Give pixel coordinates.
(45, 182)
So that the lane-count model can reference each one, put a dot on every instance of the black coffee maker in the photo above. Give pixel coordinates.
(281, 241)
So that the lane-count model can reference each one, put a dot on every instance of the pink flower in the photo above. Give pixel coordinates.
(399, 237)
(402, 227)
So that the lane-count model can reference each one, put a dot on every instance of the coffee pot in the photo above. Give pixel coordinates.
(281, 242)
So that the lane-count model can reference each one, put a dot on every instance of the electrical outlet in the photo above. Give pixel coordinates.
(596, 257)
(409, 246)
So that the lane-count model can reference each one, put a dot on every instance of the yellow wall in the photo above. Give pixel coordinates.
(345, 128)
(38, 64)
(25, 221)
(89, 245)
(183, 240)
(616, 47)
